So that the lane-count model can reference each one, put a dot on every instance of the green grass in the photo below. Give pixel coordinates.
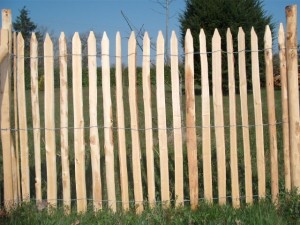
(264, 213)
(156, 148)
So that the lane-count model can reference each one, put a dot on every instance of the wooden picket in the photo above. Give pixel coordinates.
(148, 120)
(141, 173)
(259, 130)
(135, 138)
(36, 116)
(191, 142)
(108, 122)
(293, 92)
(50, 145)
(17, 150)
(285, 111)
(178, 154)
(244, 112)
(206, 126)
(121, 125)
(233, 133)
(64, 122)
(271, 113)
(79, 146)
(162, 124)
(23, 133)
(94, 136)
(218, 115)
(5, 123)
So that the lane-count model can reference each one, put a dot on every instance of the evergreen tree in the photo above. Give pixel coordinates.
(24, 25)
(223, 14)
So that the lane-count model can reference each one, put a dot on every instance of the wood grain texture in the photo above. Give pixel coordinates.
(108, 122)
(285, 110)
(135, 138)
(121, 125)
(206, 126)
(35, 108)
(244, 112)
(259, 130)
(148, 120)
(219, 115)
(177, 117)
(162, 124)
(64, 122)
(79, 144)
(50, 144)
(271, 113)
(233, 126)
(25, 182)
(191, 138)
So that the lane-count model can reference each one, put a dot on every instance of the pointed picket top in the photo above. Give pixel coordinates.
(281, 36)
(76, 44)
(105, 44)
(33, 45)
(174, 44)
(62, 37)
(228, 35)
(160, 43)
(146, 40)
(217, 40)
(216, 37)
(33, 38)
(91, 44)
(241, 35)
(20, 40)
(174, 39)
(48, 46)
(268, 38)
(202, 38)
(188, 42)
(118, 47)
(253, 36)
(48, 40)
(132, 44)
(118, 37)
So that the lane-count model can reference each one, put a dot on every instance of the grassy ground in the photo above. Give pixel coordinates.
(156, 148)
(264, 212)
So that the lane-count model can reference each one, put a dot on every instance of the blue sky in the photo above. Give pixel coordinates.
(105, 15)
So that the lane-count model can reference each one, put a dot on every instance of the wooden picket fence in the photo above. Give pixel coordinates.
(14, 126)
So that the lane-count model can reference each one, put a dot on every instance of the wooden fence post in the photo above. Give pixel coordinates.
(108, 122)
(64, 119)
(271, 113)
(9, 185)
(206, 126)
(79, 145)
(259, 130)
(50, 144)
(179, 191)
(233, 128)
(162, 125)
(148, 120)
(136, 148)
(244, 112)
(24, 150)
(191, 138)
(285, 109)
(94, 135)
(293, 93)
(36, 116)
(219, 115)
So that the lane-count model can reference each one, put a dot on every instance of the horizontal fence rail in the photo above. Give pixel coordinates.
(136, 136)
